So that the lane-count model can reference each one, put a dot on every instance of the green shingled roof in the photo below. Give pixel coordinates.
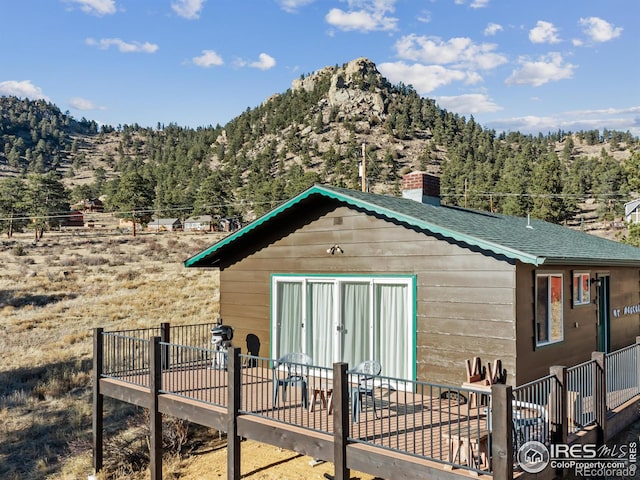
(530, 241)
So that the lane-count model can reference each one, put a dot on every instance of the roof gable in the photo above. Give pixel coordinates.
(199, 219)
(527, 240)
(164, 221)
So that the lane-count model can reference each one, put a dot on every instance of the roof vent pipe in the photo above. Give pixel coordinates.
(529, 221)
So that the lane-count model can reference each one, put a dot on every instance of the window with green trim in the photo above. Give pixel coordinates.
(549, 315)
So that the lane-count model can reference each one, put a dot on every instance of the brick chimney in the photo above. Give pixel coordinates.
(421, 187)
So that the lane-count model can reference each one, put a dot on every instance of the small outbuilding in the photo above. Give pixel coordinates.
(344, 275)
(164, 224)
(200, 223)
(74, 218)
(632, 211)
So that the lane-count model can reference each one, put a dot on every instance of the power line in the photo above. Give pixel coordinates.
(534, 195)
(149, 210)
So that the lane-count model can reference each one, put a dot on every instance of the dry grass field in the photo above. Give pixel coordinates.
(52, 294)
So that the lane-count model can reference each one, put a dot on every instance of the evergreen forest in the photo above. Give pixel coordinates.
(50, 161)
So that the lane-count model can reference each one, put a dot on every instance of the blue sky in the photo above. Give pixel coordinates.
(515, 65)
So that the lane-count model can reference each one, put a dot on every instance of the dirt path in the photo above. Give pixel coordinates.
(260, 462)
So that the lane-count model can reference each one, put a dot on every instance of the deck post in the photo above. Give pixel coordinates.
(559, 402)
(98, 399)
(234, 369)
(165, 337)
(340, 421)
(155, 417)
(502, 431)
(600, 394)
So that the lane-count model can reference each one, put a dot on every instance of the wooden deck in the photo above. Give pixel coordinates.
(415, 431)
(418, 431)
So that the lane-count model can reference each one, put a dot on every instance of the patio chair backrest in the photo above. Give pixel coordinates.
(297, 364)
(368, 367)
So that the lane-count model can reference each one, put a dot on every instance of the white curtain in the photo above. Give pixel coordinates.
(320, 325)
(356, 331)
(373, 318)
(289, 318)
(392, 335)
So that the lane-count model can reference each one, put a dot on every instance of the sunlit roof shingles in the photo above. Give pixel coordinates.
(519, 238)
(525, 238)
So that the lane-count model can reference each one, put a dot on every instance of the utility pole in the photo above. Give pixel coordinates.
(364, 168)
(466, 186)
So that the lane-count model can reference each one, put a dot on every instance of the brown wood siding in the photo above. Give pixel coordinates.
(465, 304)
(624, 285)
(580, 322)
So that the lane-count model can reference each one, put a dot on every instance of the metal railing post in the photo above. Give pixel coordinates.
(165, 337)
(98, 399)
(234, 369)
(600, 394)
(637, 379)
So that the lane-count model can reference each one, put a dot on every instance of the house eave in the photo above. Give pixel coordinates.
(594, 262)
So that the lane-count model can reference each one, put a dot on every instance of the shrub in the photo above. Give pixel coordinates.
(93, 261)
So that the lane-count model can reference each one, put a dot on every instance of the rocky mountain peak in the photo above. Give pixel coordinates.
(356, 87)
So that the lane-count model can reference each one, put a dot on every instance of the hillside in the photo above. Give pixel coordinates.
(314, 133)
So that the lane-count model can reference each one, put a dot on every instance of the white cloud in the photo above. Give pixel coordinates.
(492, 29)
(96, 7)
(124, 47)
(83, 104)
(479, 3)
(424, 16)
(458, 51)
(23, 89)
(606, 111)
(468, 103)
(209, 58)
(264, 62)
(599, 30)
(425, 78)
(538, 72)
(292, 6)
(544, 32)
(189, 9)
(364, 16)
(621, 119)
(474, 3)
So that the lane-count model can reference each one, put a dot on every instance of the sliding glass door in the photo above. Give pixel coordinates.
(348, 319)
